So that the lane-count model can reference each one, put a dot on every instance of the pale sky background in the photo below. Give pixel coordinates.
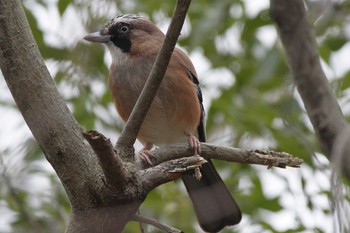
(14, 131)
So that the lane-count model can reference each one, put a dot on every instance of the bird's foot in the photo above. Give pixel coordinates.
(194, 143)
(147, 157)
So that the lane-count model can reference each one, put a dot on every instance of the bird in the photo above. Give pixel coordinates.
(176, 114)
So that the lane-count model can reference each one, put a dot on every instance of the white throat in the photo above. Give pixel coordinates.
(119, 57)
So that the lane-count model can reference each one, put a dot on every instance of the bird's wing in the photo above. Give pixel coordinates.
(201, 125)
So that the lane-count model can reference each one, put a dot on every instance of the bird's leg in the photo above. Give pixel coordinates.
(194, 143)
(146, 155)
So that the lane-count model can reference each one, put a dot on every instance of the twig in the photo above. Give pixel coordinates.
(112, 166)
(155, 223)
(169, 170)
(261, 157)
(142, 229)
(132, 127)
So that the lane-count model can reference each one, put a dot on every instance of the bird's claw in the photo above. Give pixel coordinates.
(147, 157)
(194, 143)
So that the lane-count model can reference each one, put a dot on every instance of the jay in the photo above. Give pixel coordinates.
(176, 114)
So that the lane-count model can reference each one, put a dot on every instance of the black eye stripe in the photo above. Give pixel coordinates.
(120, 35)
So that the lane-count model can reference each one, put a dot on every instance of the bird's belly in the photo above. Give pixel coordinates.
(162, 132)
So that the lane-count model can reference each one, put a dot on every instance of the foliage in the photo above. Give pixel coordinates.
(251, 101)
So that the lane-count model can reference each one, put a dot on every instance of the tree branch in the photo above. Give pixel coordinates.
(169, 171)
(43, 109)
(261, 157)
(302, 56)
(128, 136)
(320, 102)
(112, 166)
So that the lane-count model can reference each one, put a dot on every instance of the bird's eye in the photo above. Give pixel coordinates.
(124, 28)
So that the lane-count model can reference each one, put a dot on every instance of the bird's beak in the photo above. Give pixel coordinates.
(97, 37)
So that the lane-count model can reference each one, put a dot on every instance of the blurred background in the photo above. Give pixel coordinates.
(249, 97)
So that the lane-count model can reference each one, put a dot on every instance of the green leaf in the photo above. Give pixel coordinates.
(336, 43)
(62, 6)
(344, 82)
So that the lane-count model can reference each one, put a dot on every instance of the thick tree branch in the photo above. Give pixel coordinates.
(302, 56)
(46, 114)
(128, 136)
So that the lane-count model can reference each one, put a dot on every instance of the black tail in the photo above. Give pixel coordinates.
(214, 206)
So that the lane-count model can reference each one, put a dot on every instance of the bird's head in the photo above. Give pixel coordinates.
(128, 35)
